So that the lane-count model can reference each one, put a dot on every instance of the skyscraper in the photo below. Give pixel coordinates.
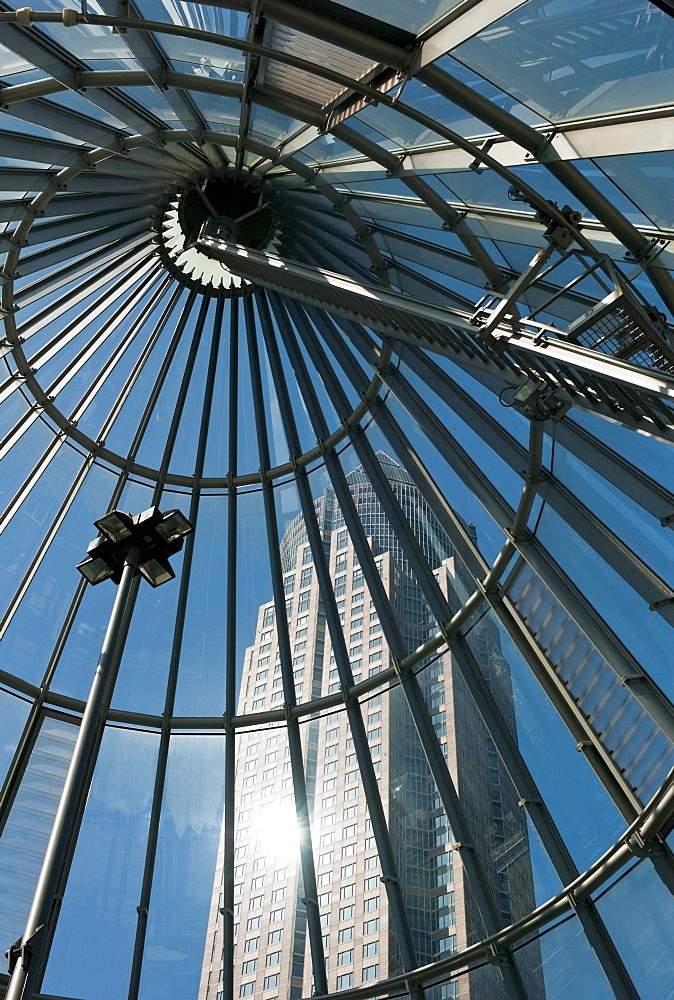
(359, 936)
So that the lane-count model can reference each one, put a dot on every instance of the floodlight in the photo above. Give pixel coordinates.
(95, 569)
(156, 571)
(116, 525)
(173, 526)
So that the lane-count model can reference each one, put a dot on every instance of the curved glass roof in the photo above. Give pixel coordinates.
(380, 297)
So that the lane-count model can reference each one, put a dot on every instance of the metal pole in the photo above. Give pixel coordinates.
(45, 907)
(230, 665)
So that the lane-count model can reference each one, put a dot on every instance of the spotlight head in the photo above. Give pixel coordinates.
(116, 525)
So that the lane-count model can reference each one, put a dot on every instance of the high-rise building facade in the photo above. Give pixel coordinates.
(272, 957)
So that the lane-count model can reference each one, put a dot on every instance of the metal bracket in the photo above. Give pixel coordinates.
(451, 226)
(641, 848)
(650, 251)
(495, 956)
(543, 148)
(401, 159)
(576, 899)
(389, 880)
(21, 949)
(656, 605)
(477, 165)
(630, 678)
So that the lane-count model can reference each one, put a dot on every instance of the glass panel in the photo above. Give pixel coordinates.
(410, 16)
(13, 713)
(646, 178)
(25, 836)
(201, 679)
(183, 878)
(577, 58)
(93, 946)
(569, 965)
(646, 634)
(643, 941)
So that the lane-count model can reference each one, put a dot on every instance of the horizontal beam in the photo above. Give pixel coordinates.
(404, 318)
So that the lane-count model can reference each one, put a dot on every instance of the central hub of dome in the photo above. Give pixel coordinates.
(230, 208)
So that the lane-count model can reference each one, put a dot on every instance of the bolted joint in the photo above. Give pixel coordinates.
(495, 956)
(641, 848)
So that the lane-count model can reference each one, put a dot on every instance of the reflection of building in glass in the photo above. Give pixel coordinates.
(359, 939)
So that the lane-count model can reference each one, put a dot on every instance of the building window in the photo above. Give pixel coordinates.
(370, 949)
(247, 989)
(371, 883)
(252, 944)
(276, 915)
(370, 972)
(371, 904)
(271, 982)
(371, 926)
(278, 894)
(274, 958)
(347, 890)
(348, 912)
(346, 934)
(253, 923)
(348, 870)
(345, 957)
(275, 936)
(249, 966)
(255, 902)
(345, 981)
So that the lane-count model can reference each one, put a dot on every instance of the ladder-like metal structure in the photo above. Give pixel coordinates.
(615, 360)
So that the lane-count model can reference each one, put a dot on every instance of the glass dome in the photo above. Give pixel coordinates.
(379, 297)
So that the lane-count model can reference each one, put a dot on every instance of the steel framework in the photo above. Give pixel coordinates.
(455, 270)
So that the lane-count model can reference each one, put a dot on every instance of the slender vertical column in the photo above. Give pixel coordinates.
(45, 907)
(164, 742)
(294, 738)
(353, 710)
(230, 664)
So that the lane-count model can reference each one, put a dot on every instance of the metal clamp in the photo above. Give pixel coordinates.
(21, 949)
(495, 956)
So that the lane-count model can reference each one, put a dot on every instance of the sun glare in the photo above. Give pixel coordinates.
(275, 828)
